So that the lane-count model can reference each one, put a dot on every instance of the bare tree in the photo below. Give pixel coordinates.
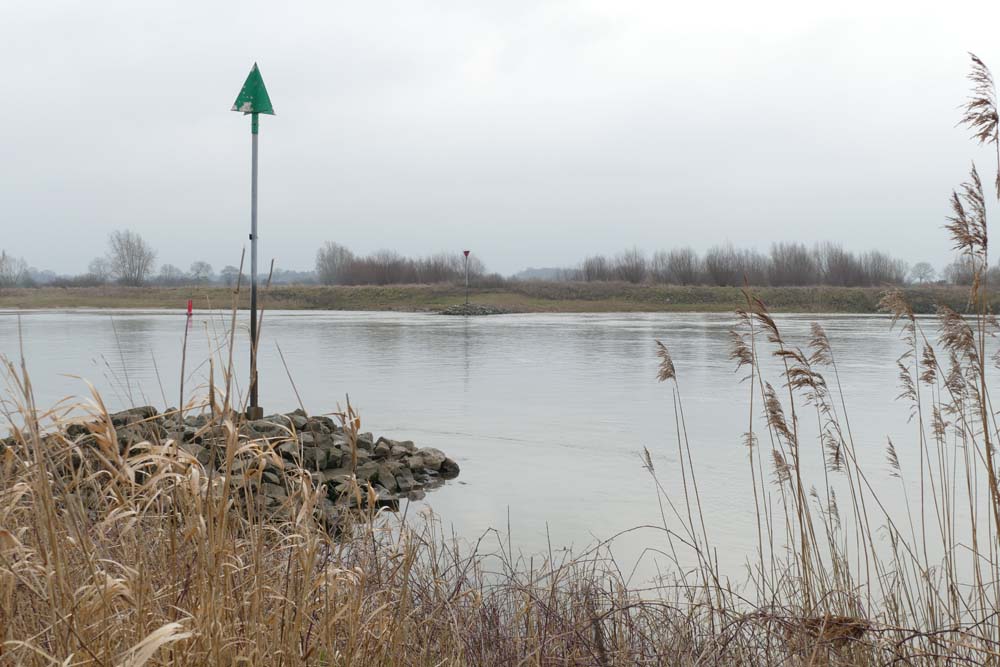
(680, 266)
(170, 275)
(630, 266)
(838, 266)
(922, 272)
(229, 274)
(440, 268)
(960, 272)
(391, 268)
(476, 267)
(753, 267)
(658, 267)
(331, 261)
(201, 272)
(596, 268)
(722, 265)
(881, 269)
(792, 264)
(684, 267)
(131, 259)
(99, 270)
(12, 270)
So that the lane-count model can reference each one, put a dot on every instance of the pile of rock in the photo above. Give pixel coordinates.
(286, 447)
(473, 309)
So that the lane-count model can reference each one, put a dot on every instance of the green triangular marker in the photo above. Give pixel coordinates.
(253, 96)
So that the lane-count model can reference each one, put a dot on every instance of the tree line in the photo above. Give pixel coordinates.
(786, 264)
(337, 265)
(130, 260)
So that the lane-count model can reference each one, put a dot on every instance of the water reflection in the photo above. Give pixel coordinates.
(546, 414)
(466, 333)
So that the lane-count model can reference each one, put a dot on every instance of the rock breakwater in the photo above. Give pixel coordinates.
(473, 309)
(267, 459)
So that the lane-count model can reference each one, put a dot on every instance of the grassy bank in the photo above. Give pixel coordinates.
(534, 297)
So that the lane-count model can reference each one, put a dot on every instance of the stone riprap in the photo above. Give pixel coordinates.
(278, 450)
(473, 309)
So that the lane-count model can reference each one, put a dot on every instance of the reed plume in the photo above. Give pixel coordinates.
(980, 110)
(666, 368)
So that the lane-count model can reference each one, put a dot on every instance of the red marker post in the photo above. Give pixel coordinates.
(466, 253)
(184, 347)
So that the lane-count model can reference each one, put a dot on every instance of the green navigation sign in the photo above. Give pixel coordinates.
(253, 96)
(253, 100)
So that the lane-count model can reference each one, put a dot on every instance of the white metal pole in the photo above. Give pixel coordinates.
(253, 271)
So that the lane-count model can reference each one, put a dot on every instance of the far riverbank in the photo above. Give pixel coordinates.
(529, 297)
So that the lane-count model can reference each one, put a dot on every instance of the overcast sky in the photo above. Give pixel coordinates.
(534, 133)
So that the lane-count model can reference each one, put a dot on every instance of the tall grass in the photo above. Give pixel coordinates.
(134, 555)
(142, 555)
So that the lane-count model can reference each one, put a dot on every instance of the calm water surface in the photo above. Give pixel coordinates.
(547, 414)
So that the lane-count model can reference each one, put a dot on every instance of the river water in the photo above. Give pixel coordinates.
(546, 414)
